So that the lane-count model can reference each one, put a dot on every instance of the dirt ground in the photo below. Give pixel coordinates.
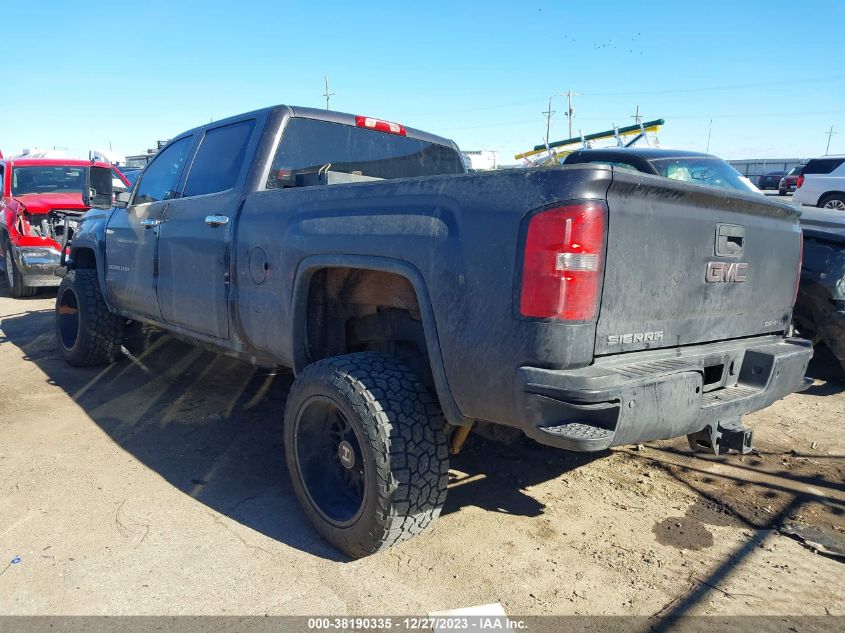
(159, 487)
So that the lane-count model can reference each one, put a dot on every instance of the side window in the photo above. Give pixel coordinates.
(159, 180)
(219, 159)
(822, 165)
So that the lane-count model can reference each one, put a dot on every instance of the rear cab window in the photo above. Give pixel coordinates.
(613, 163)
(311, 146)
(700, 170)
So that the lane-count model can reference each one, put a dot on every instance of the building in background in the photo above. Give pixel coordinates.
(753, 168)
(139, 161)
(480, 159)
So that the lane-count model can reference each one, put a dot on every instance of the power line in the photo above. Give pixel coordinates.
(712, 88)
(502, 106)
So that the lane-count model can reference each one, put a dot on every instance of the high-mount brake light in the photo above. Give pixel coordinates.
(380, 126)
(563, 262)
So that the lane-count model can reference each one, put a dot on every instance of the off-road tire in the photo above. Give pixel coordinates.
(16, 285)
(401, 435)
(99, 332)
(837, 199)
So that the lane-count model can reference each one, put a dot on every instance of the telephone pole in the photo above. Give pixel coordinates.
(637, 116)
(328, 95)
(830, 134)
(548, 114)
(570, 112)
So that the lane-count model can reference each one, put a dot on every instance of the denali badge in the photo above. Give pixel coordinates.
(724, 272)
(636, 337)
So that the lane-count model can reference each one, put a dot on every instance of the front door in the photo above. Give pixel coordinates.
(132, 233)
(194, 239)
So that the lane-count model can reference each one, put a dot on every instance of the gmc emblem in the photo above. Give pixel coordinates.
(726, 273)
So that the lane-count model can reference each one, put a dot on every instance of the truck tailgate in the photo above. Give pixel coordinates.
(688, 264)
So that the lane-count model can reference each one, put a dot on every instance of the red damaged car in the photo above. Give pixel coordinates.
(41, 199)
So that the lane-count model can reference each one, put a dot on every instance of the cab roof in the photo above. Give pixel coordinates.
(322, 115)
(52, 162)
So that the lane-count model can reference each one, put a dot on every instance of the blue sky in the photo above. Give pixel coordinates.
(770, 74)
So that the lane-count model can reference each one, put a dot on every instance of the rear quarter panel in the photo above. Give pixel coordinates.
(460, 232)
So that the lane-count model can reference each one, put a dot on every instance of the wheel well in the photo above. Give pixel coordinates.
(84, 258)
(354, 309)
(828, 194)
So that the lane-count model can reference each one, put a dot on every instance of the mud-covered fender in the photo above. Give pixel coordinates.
(91, 235)
(299, 307)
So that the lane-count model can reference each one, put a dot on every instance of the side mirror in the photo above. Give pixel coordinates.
(99, 188)
(122, 199)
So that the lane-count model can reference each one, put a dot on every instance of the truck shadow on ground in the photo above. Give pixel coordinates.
(212, 427)
(828, 371)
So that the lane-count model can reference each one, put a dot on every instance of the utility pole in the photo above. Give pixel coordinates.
(328, 95)
(637, 116)
(830, 134)
(548, 114)
(569, 111)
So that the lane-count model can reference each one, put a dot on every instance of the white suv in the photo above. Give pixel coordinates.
(822, 183)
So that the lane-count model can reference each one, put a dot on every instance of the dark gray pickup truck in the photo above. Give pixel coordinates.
(586, 306)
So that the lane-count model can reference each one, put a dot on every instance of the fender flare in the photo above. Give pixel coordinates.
(299, 302)
(98, 259)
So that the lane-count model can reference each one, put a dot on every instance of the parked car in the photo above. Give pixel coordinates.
(790, 181)
(586, 306)
(770, 180)
(820, 309)
(692, 167)
(130, 174)
(822, 183)
(41, 198)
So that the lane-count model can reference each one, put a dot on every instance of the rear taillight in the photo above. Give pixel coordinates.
(381, 126)
(800, 263)
(563, 262)
(800, 181)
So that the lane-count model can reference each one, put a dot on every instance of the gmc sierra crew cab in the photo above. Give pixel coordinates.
(585, 306)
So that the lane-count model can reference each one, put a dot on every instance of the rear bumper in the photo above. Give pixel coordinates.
(37, 266)
(658, 394)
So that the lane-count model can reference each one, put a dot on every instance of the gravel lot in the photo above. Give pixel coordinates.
(159, 487)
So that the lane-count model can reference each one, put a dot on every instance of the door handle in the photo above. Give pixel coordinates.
(216, 220)
(149, 223)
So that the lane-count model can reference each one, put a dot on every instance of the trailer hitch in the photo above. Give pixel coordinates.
(721, 437)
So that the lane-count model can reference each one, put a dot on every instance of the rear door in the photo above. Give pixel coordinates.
(689, 264)
(132, 233)
(193, 263)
